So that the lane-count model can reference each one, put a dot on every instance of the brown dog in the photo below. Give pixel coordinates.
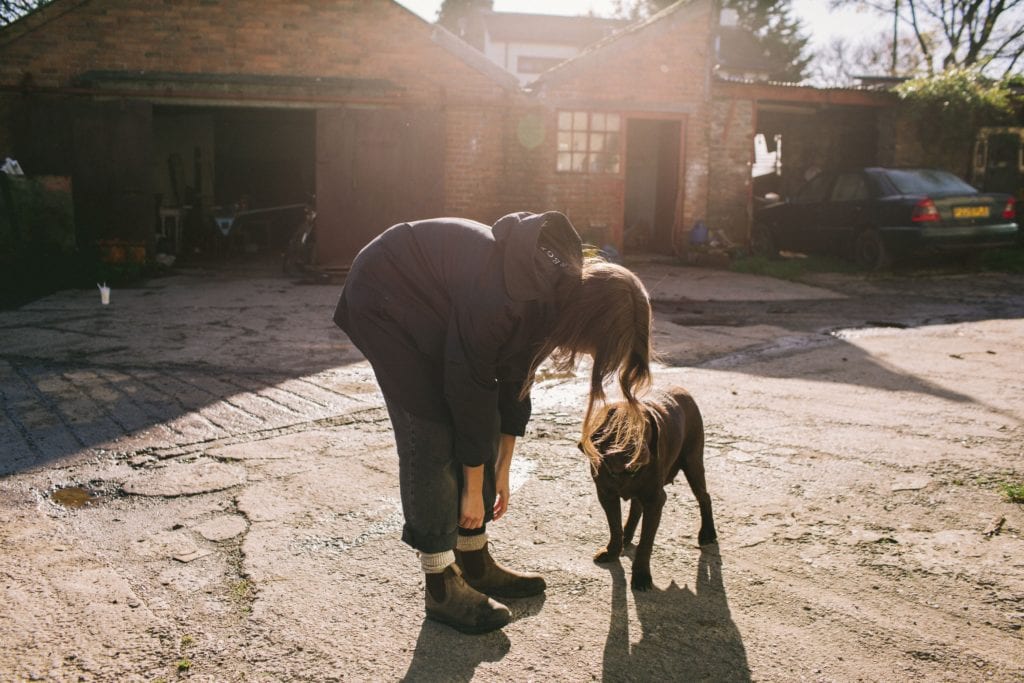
(675, 442)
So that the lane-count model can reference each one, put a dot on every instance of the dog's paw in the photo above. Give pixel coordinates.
(641, 581)
(606, 555)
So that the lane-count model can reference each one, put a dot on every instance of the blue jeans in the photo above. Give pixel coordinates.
(430, 479)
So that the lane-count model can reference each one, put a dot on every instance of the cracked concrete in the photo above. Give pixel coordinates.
(246, 525)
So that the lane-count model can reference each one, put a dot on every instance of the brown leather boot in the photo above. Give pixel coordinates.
(463, 608)
(487, 576)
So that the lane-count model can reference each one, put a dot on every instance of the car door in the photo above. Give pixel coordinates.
(795, 231)
(846, 210)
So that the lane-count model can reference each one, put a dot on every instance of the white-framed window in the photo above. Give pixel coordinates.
(588, 142)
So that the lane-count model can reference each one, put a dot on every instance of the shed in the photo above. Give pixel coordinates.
(227, 115)
(628, 160)
(164, 112)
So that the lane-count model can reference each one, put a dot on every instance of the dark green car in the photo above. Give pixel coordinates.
(876, 215)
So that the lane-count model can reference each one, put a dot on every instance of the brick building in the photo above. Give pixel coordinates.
(149, 104)
(176, 108)
(629, 155)
(815, 128)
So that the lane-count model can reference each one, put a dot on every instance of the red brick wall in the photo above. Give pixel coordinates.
(335, 38)
(732, 135)
(661, 67)
(500, 145)
(493, 159)
(357, 39)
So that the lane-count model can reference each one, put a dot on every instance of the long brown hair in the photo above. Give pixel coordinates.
(608, 316)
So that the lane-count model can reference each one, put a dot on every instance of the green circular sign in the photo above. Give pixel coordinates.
(530, 131)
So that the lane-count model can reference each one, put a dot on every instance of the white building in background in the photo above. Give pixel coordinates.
(529, 44)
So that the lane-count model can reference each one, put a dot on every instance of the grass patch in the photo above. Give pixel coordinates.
(790, 268)
(794, 267)
(242, 589)
(1013, 492)
(1009, 260)
(243, 593)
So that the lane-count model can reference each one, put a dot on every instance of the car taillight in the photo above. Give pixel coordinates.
(1010, 211)
(924, 212)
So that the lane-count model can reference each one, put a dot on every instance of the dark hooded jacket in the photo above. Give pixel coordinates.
(451, 312)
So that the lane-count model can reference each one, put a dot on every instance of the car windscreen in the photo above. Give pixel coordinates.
(814, 190)
(922, 181)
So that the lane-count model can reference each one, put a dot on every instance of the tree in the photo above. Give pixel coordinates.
(948, 108)
(770, 22)
(841, 62)
(779, 34)
(461, 17)
(11, 10)
(988, 34)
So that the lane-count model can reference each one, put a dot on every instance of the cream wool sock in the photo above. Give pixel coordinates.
(467, 544)
(435, 563)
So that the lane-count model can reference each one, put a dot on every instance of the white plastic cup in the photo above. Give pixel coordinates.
(104, 294)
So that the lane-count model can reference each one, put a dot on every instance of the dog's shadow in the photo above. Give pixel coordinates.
(685, 634)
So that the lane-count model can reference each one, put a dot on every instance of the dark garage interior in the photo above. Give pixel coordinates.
(231, 180)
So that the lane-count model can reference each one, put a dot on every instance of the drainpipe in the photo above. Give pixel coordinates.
(711, 62)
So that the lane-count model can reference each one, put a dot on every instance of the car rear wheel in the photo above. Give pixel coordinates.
(869, 251)
(761, 242)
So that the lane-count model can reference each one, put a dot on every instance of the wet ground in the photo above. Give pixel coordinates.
(198, 482)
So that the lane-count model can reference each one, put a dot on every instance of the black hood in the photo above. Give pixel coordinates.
(542, 250)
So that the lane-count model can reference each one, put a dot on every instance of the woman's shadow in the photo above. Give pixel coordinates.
(443, 654)
(685, 635)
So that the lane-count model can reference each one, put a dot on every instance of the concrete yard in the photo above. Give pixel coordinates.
(198, 482)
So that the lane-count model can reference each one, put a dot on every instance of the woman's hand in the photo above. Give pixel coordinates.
(471, 502)
(501, 475)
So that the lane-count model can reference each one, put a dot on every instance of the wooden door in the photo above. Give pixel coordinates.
(375, 168)
(112, 175)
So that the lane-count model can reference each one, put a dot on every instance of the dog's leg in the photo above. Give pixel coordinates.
(635, 510)
(641, 580)
(613, 511)
(694, 472)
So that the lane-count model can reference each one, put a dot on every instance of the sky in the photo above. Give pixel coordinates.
(819, 22)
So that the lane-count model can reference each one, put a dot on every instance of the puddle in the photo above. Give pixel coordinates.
(75, 497)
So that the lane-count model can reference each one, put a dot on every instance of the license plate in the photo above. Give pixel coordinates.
(970, 212)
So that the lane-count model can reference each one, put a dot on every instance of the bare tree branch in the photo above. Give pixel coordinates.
(983, 33)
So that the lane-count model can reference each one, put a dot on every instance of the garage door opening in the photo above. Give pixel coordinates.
(231, 181)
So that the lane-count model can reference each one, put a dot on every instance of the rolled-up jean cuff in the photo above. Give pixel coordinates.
(430, 480)
(429, 543)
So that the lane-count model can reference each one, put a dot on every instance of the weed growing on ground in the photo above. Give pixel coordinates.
(1003, 260)
(242, 593)
(790, 267)
(1013, 492)
(795, 266)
